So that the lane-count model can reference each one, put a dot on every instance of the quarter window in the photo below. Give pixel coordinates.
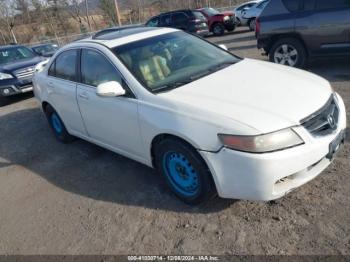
(52, 69)
(65, 66)
(96, 69)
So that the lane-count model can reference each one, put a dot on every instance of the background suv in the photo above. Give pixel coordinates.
(291, 31)
(191, 21)
(17, 66)
(219, 22)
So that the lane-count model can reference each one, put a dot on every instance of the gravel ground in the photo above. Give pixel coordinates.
(82, 199)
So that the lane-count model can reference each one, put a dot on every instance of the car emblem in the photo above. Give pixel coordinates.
(331, 121)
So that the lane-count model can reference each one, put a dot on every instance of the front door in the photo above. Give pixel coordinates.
(112, 121)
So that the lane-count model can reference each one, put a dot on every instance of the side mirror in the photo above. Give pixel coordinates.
(110, 89)
(223, 47)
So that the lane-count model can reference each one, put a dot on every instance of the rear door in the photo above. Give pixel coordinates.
(325, 26)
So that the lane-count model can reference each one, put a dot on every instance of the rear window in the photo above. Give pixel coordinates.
(291, 5)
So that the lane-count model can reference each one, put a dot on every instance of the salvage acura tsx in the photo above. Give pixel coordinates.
(191, 110)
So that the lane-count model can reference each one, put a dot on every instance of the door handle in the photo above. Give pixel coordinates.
(84, 95)
(50, 84)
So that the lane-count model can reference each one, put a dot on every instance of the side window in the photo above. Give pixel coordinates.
(334, 4)
(65, 65)
(179, 19)
(165, 20)
(292, 5)
(154, 22)
(96, 69)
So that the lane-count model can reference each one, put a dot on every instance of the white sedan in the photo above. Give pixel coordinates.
(241, 9)
(194, 112)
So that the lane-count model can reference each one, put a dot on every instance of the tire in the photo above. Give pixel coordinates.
(3, 100)
(231, 29)
(57, 125)
(184, 171)
(288, 50)
(218, 29)
(251, 24)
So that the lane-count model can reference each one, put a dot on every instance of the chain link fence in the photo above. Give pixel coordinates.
(62, 40)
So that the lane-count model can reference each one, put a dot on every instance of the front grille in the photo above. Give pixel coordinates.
(25, 72)
(324, 121)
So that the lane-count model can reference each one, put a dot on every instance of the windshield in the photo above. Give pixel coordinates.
(171, 60)
(12, 54)
(210, 11)
(46, 49)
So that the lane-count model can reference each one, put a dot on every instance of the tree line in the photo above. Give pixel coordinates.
(31, 21)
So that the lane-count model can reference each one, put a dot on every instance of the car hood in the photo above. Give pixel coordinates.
(261, 95)
(20, 64)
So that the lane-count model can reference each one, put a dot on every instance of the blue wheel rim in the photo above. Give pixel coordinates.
(56, 123)
(181, 174)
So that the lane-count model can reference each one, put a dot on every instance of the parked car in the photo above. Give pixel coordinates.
(251, 14)
(17, 64)
(219, 22)
(45, 50)
(239, 10)
(190, 109)
(191, 21)
(291, 32)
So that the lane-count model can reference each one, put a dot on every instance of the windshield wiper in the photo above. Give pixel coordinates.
(172, 85)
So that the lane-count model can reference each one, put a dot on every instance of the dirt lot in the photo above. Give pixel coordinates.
(82, 199)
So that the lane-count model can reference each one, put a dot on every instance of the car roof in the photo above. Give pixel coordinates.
(124, 36)
(118, 32)
(174, 11)
(3, 47)
(44, 44)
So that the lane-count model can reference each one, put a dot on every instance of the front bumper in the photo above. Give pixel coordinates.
(230, 24)
(270, 176)
(202, 32)
(15, 87)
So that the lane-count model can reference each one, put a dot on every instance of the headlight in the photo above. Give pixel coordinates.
(5, 76)
(226, 18)
(279, 140)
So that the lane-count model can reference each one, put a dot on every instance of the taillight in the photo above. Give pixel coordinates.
(257, 26)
